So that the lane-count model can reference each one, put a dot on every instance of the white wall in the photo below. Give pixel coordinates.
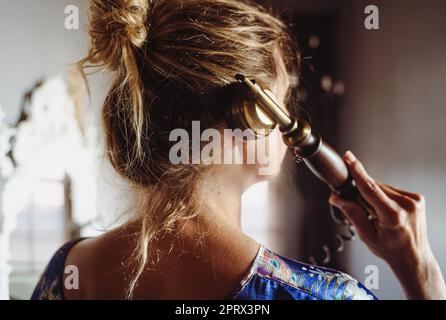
(34, 44)
(394, 109)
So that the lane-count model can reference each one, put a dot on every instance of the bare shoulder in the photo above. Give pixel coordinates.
(208, 271)
(99, 262)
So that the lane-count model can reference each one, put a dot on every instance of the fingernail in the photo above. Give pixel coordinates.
(349, 157)
(332, 199)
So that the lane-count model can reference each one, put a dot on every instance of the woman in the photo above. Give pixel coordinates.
(173, 61)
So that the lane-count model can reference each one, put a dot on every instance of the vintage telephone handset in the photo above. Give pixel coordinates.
(259, 110)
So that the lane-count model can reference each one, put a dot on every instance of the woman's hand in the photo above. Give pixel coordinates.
(398, 234)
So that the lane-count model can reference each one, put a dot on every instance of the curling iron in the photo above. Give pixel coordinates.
(305, 144)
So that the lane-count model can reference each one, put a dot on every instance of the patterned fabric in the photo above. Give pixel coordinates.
(275, 277)
(271, 277)
(50, 285)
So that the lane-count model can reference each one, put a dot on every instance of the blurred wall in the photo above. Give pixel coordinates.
(394, 109)
(34, 44)
(392, 112)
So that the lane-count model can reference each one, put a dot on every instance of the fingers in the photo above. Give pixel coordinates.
(414, 196)
(409, 201)
(355, 214)
(369, 189)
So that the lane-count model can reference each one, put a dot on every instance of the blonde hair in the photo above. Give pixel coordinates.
(171, 58)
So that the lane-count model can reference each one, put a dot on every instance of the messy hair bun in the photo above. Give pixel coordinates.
(115, 26)
(117, 30)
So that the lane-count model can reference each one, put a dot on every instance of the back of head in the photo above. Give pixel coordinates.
(171, 58)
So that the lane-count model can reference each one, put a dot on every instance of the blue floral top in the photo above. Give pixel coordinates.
(271, 277)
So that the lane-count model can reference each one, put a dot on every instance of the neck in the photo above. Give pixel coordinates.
(220, 192)
(218, 222)
(212, 243)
